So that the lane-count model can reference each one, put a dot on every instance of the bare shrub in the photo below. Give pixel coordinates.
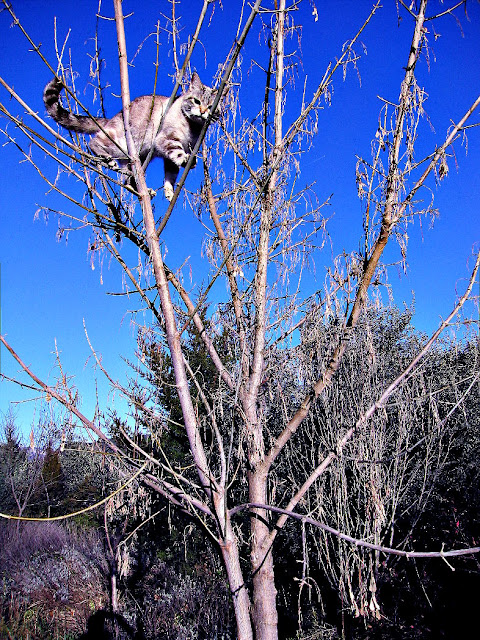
(185, 607)
(18, 545)
(53, 579)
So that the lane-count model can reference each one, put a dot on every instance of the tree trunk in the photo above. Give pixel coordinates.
(114, 600)
(264, 612)
(241, 600)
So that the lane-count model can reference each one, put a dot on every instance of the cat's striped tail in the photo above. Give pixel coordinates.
(67, 119)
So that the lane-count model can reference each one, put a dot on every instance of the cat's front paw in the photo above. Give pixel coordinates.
(179, 157)
(168, 190)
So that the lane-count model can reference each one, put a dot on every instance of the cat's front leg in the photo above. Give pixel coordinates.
(172, 149)
(168, 190)
(171, 173)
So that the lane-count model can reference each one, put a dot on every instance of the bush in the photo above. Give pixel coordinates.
(191, 606)
(53, 580)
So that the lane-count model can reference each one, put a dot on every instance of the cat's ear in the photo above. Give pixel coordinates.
(195, 82)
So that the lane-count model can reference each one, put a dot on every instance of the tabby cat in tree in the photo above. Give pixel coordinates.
(173, 142)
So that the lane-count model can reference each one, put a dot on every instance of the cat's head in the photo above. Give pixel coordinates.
(197, 101)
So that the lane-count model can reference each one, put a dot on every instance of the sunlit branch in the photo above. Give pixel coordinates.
(443, 13)
(51, 184)
(172, 334)
(234, 146)
(211, 416)
(331, 70)
(436, 157)
(193, 313)
(114, 251)
(165, 467)
(261, 274)
(286, 513)
(51, 391)
(32, 135)
(228, 262)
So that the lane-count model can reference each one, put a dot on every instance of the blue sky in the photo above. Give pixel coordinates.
(48, 287)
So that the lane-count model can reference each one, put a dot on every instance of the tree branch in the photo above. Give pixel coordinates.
(173, 337)
(286, 513)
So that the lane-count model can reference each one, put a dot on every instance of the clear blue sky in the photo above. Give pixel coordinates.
(49, 288)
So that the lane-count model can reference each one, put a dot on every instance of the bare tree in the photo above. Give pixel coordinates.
(265, 233)
(22, 467)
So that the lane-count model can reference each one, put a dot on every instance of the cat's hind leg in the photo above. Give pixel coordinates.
(108, 152)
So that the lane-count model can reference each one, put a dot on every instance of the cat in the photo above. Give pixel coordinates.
(173, 142)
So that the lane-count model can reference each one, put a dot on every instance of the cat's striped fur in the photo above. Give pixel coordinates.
(173, 142)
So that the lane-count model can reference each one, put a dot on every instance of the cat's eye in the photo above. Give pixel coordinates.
(196, 101)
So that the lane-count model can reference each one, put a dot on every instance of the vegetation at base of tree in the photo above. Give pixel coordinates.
(171, 585)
